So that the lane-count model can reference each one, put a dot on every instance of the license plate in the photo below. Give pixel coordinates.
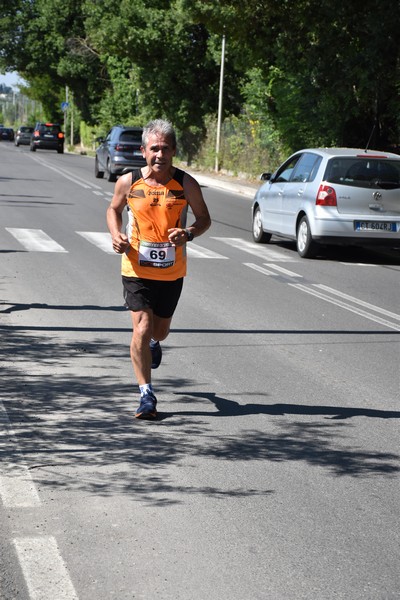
(374, 226)
(49, 135)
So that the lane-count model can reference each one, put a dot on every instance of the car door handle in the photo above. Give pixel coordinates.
(300, 192)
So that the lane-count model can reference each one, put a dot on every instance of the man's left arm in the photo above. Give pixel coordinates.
(202, 221)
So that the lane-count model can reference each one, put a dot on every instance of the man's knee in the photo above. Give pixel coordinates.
(161, 328)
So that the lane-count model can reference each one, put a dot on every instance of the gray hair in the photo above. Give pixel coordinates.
(158, 127)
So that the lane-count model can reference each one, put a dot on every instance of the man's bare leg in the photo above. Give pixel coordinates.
(145, 327)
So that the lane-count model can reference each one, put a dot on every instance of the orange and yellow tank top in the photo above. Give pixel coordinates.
(152, 211)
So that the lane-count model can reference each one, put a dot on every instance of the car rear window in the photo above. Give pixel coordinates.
(131, 136)
(50, 128)
(364, 172)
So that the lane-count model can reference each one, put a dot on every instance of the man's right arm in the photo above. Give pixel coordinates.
(120, 241)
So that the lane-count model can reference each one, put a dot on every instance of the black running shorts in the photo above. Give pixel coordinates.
(160, 296)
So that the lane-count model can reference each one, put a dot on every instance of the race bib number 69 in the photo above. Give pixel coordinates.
(156, 254)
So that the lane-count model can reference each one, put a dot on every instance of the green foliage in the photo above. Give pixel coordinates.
(248, 147)
(297, 74)
(120, 102)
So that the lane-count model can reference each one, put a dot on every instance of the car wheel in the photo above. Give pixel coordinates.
(97, 173)
(110, 176)
(60, 150)
(306, 246)
(259, 236)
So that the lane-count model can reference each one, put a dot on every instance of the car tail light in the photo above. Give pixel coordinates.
(326, 196)
(60, 135)
(123, 148)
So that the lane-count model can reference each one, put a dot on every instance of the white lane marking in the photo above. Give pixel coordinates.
(100, 239)
(98, 193)
(357, 311)
(284, 271)
(281, 271)
(264, 252)
(196, 251)
(259, 269)
(382, 311)
(17, 490)
(35, 240)
(45, 572)
(67, 174)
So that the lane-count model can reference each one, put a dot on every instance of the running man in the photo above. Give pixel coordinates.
(154, 250)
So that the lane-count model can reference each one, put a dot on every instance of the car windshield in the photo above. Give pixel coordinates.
(131, 136)
(364, 172)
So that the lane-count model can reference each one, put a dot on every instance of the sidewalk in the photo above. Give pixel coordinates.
(224, 182)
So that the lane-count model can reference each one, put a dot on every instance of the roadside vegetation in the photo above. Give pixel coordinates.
(297, 74)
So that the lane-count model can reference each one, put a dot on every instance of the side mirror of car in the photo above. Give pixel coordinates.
(265, 176)
(99, 140)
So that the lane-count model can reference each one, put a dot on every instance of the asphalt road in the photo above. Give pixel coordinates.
(273, 471)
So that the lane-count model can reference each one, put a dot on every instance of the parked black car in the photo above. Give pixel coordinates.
(7, 133)
(23, 135)
(119, 152)
(48, 136)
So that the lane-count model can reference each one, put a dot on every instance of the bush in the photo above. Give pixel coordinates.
(248, 147)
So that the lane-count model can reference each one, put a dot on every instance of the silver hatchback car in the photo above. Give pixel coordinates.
(330, 196)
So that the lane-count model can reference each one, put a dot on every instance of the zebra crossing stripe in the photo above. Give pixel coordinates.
(100, 239)
(266, 253)
(103, 241)
(35, 240)
(196, 251)
(45, 572)
(17, 489)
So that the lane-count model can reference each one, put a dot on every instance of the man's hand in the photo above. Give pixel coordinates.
(120, 243)
(177, 236)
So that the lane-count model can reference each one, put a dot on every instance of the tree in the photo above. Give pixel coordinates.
(37, 44)
(331, 69)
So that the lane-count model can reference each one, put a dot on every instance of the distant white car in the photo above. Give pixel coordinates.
(330, 196)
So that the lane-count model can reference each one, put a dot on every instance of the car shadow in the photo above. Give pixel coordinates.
(375, 255)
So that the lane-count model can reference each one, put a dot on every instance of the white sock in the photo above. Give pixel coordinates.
(146, 387)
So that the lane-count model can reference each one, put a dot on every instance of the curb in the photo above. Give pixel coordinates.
(222, 184)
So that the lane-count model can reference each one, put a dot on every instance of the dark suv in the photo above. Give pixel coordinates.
(48, 136)
(119, 152)
(6, 133)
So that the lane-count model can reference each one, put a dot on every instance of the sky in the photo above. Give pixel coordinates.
(10, 79)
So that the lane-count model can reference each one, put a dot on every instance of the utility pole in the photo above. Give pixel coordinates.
(221, 87)
(65, 110)
(71, 108)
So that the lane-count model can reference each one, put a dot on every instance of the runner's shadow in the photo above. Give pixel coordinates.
(230, 408)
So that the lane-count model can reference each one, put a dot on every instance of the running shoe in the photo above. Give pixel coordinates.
(156, 354)
(147, 408)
